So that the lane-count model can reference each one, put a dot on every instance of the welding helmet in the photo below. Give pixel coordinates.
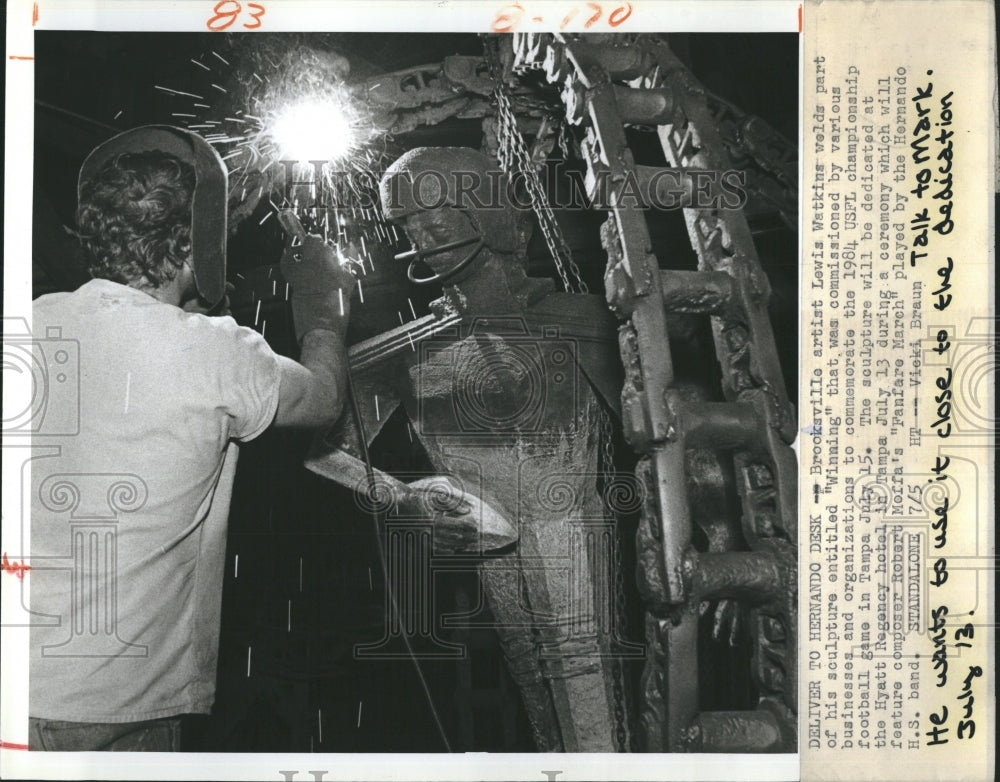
(428, 178)
(208, 203)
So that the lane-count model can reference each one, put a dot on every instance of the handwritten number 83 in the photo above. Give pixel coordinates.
(228, 11)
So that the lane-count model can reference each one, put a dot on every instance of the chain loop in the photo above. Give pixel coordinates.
(623, 732)
(514, 158)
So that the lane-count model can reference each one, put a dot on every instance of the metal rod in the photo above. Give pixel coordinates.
(377, 520)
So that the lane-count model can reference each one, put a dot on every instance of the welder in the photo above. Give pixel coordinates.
(129, 514)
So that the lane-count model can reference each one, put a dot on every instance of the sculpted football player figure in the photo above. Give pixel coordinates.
(507, 400)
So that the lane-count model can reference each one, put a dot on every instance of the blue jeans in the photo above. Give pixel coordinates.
(162, 735)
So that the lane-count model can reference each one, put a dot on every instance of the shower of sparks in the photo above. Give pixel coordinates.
(278, 103)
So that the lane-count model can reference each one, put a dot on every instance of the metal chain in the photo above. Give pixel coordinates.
(607, 470)
(514, 157)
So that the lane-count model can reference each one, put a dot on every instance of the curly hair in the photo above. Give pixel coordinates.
(134, 218)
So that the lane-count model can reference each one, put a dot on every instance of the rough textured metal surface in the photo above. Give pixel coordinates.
(702, 293)
(755, 424)
(735, 732)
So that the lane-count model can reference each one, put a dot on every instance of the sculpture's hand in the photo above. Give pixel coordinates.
(462, 521)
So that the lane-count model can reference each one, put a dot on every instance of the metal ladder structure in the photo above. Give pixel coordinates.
(606, 83)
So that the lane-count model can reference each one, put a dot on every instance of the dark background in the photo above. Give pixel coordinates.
(90, 85)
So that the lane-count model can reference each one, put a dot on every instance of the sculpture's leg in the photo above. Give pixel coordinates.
(501, 579)
(564, 548)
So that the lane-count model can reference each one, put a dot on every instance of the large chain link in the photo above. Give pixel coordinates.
(608, 473)
(515, 158)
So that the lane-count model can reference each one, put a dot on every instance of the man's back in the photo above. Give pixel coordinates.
(128, 520)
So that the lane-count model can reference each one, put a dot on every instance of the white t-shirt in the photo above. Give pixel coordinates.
(128, 519)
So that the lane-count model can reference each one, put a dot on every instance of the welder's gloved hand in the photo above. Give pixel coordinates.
(321, 284)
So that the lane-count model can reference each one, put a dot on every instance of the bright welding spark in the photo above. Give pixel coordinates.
(119, 113)
(413, 311)
(361, 293)
(178, 92)
(219, 88)
(200, 64)
(313, 130)
(221, 57)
